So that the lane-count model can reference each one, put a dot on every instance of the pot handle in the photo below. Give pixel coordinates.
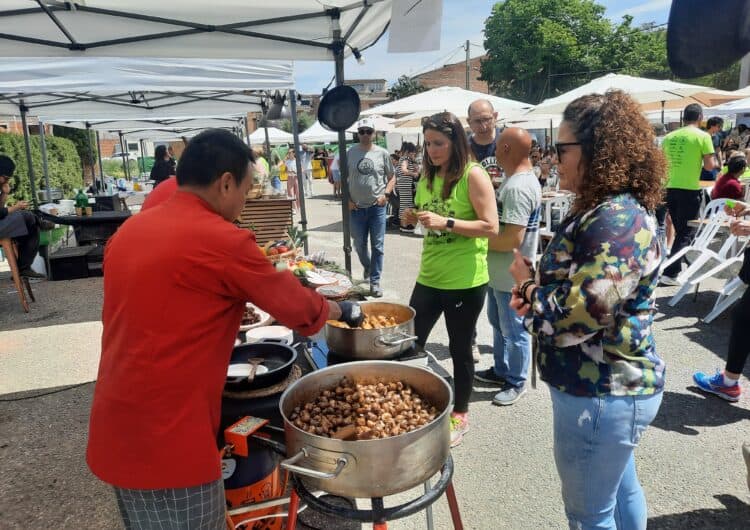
(288, 464)
(391, 340)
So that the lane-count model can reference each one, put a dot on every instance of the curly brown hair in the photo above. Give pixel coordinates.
(618, 152)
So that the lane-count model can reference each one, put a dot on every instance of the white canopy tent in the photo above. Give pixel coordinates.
(317, 134)
(641, 89)
(451, 99)
(275, 136)
(227, 122)
(739, 106)
(225, 29)
(289, 30)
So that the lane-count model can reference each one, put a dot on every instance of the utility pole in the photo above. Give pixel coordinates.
(468, 65)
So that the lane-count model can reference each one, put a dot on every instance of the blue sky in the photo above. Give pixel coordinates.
(462, 19)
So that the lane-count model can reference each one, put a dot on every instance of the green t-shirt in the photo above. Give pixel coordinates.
(685, 149)
(450, 260)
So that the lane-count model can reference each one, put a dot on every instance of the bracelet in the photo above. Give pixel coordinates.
(523, 287)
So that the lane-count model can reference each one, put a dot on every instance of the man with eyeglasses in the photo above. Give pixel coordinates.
(371, 180)
(482, 118)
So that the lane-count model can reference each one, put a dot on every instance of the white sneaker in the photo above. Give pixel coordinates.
(476, 355)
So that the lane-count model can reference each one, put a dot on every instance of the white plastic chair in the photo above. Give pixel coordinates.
(729, 257)
(713, 217)
(732, 291)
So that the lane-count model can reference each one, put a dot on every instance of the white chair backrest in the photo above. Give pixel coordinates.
(559, 204)
(713, 217)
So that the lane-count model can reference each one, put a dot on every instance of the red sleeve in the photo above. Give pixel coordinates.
(248, 273)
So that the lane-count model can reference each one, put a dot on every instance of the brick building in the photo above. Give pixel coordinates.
(454, 74)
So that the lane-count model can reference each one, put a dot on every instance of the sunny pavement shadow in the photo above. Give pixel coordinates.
(735, 514)
(682, 413)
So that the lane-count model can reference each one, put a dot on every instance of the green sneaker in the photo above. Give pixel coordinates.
(459, 427)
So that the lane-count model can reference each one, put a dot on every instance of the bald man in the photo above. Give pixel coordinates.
(519, 202)
(482, 119)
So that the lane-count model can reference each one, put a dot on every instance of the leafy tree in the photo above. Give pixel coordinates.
(62, 161)
(404, 87)
(80, 139)
(304, 120)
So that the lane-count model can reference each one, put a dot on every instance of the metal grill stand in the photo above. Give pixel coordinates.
(380, 515)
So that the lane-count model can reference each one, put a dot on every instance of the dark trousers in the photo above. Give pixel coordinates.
(739, 336)
(461, 308)
(28, 245)
(683, 206)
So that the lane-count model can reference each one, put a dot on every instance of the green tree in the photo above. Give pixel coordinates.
(304, 120)
(404, 87)
(62, 161)
(80, 139)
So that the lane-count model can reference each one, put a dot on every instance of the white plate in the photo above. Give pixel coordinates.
(265, 318)
(272, 333)
(316, 279)
(243, 370)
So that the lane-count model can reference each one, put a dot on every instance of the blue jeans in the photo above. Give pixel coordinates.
(511, 343)
(369, 221)
(594, 440)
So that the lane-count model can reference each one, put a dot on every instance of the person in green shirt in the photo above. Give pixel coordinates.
(688, 150)
(455, 203)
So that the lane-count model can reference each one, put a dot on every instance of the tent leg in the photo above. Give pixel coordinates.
(268, 142)
(662, 113)
(300, 176)
(247, 130)
(124, 153)
(343, 169)
(45, 163)
(24, 109)
(101, 166)
(91, 155)
(143, 155)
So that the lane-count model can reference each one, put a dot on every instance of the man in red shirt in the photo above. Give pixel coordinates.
(176, 279)
(160, 193)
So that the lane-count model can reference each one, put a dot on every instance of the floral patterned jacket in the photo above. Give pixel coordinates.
(593, 311)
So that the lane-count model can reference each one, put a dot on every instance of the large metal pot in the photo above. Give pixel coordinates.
(368, 468)
(375, 344)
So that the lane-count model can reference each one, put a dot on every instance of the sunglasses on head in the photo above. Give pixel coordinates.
(365, 131)
(442, 121)
(560, 148)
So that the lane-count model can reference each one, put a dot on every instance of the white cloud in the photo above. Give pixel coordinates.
(647, 7)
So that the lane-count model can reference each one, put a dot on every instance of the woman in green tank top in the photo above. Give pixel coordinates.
(455, 203)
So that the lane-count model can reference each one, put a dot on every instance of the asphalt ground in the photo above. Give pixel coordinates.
(689, 461)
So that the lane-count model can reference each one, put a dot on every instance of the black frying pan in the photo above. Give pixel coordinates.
(339, 108)
(277, 358)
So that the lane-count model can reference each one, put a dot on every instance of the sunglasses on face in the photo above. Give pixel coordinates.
(482, 121)
(441, 121)
(561, 147)
(365, 131)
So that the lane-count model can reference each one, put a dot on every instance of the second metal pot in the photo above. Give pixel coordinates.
(375, 344)
(368, 468)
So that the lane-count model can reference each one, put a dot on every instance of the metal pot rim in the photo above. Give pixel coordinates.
(348, 443)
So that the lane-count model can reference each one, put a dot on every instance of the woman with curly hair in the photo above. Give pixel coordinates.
(591, 306)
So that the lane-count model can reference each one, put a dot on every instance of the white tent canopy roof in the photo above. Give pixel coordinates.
(317, 134)
(643, 90)
(452, 99)
(291, 29)
(164, 124)
(275, 136)
(739, 106)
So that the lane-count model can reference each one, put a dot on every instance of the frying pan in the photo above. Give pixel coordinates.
(339, 108)
(278, 358)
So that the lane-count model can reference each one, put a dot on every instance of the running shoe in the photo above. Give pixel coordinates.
(715, 385)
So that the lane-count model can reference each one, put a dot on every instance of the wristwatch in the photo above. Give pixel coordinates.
(449, 224)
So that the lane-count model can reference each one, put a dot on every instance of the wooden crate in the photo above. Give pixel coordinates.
(270, 218)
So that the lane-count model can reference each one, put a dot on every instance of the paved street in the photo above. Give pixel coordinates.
(689, 461)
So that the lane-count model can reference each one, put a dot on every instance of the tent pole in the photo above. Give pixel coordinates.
(338, 53)
(662, 113)
(247, 131)
(99, 153)
(45, 164)
(300, 176)
(550, 134)
(143, 155)
(268, 142)
(24, 109)
(91, 155)
(124, 155)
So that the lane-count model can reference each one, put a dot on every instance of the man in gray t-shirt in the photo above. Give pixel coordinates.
(519, 202)
(371, 179)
